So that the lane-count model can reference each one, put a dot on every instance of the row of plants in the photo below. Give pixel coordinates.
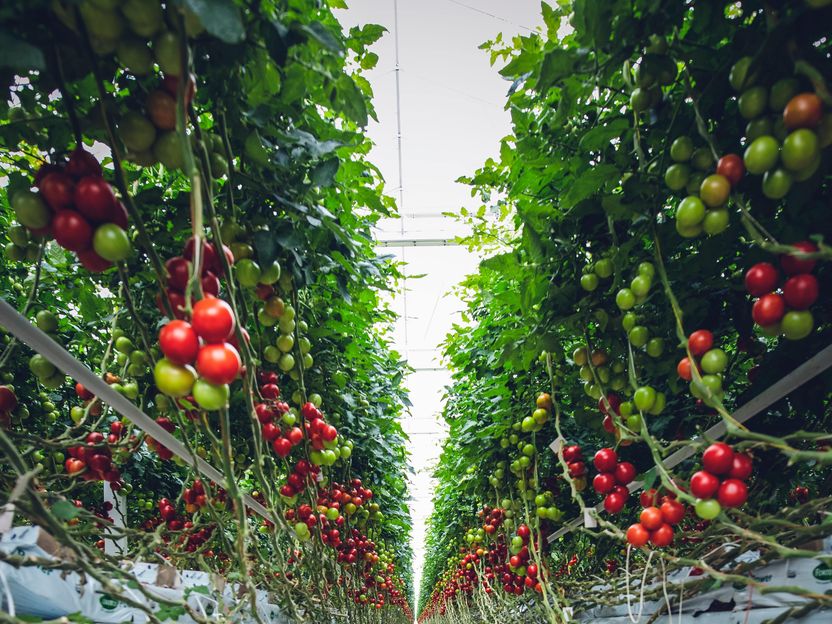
(659, 260)
(188, 212)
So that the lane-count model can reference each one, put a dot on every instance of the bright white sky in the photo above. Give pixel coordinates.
(452, 120)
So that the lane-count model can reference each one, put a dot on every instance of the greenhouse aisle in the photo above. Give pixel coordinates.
(452, 117)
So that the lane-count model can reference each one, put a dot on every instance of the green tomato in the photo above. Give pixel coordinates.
(131, 390)
(638, 336)
(694, 182)
(714, 361)
(797, 324)
(248, 273)
(634, 423)
(168, 150)
(286, 363)
(172, 379)
(628, 321)
(640, 285)
(644, 398)
(111, 242)
(762, 126)
(589, 282)
(702, 159)
(304, 345)
(807, 172)
(255, 150)
(752, 103)
(677, 176)
(626, 408)
(272, 354)
(777, 183)
(691, 212)
(603, 268)
(585, 373)
(46, 321)
(271, 273)
(603, 373)
(655, 347)
(647, 268)
(715, 190)
(707, 509)
(166, 49)
(712, 383)
(19, 235)
(76, 414)
(528, 450)
(137, 132)
(286, 326)
(41, 367)
(681, 149)
(716, 221)
(307, 361)
(800, 149)
(640, 99)
(658, 405)
(761, 155)
(625, 299)
(266, 319)
(781, 92)
(739, 76)
(31, 210)
(124, 345)
(134, 56)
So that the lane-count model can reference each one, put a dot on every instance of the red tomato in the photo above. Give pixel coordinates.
(603, 482)
(282, 447)
(768, 310)
(663, 536)
(94, 199)
(637, 535)
(57, 189)
(742, 467)
(8, 399)
(718, 458)
(732, 167)
(92, 262)
(577, 469)
(700, 341)
(651, 518)
(608, 424)
(210, 284)
(625, 472)
(213, 319)
(572, 453)
(329, 433)
(120, 215)
(703, 484)
(44, 170)
(672, 511)
(613, 503)
(605, 460)
(161, 108)
(799, 291)
(761, 279)
(295, 435)
(683, 369)
(614, 402)
(82, 163)
(83, 393)
(171, 85)
(792, 265)
(218, 363)
(71, 230)
(648, 497)
(179, 342)
(732, 493)
(270, 431)
(178, 270)
(804, 110)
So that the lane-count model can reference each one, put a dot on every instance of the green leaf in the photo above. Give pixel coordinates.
(352, 100)
(557, 64)
(324, 36)
(64, 510)
(324, 172)
(588, 183)
(221, 18)
(19, 54)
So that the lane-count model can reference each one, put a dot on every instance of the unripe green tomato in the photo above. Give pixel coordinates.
(739, 76)
(286, 362)
(603, 268)
(628, 321)
(707, 509)
(272, 354)
(714, 361)
(681, 149)
(655, 347)
(265, 319)
(702, 159)
(800, 149)
(762, 126)
(752, 102)
(676, 176)
(716, 221)
(625, 299)
(589, 282)
(248, 272)
(603, 373)
(640, 285)
(658, 405)
(585, 373)
(691, 212)
(638, 336)
(644, 398)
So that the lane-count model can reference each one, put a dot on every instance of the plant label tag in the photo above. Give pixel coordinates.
(557, 445)
(589, 518)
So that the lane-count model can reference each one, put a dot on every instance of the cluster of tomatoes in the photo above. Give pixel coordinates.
(75, 205)
(323, 437)
(785, 312)
(710, 362)
(656, 523)
(493, 518)
(296, 482)
(271, 413)
(93, 461)
(612, 479)
(194, 497)
(723, 476)
(203, 341)
(179, 269)
(575, 464)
